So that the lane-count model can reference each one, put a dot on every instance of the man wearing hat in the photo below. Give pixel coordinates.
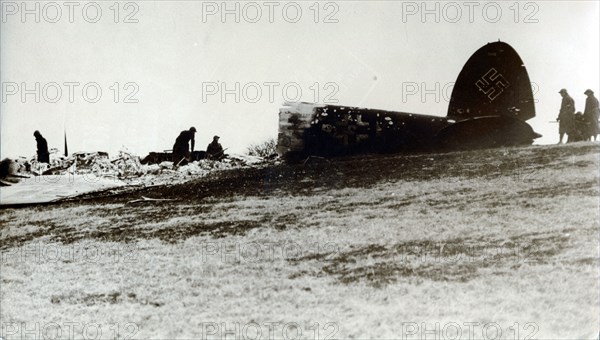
(565, 115)
(591, 114)
(181, 148)
(43, 156)
(214, 150)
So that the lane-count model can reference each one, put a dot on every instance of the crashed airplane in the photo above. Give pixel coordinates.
(491, 100)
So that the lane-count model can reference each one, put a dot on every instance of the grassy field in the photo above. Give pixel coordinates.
(490, 244)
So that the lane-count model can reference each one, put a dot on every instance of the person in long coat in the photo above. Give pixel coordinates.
(43, 156)
(565, 115)
(591, 114)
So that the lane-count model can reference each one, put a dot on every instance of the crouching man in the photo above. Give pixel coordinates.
(214, 150)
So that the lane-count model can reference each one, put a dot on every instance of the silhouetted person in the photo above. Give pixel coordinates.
(214, 150)
(565, 115)
(590, 114)
(43, 156)
(181, 148)
(579, 128)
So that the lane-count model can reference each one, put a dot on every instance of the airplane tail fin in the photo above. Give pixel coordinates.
(493, 82)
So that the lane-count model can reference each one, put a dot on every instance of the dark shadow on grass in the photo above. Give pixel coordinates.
(77, 298)
(456, 260)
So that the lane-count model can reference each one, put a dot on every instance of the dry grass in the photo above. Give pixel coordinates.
(365, 247)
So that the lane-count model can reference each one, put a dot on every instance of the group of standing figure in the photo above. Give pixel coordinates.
(576, 125)
(181, 148)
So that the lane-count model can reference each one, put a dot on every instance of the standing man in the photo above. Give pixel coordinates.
(43, 156)
(181, 148)
(214, 150)
(591, 114)
(565, 116)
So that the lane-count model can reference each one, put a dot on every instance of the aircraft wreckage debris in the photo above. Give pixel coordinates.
(491, 100)
(28, 182)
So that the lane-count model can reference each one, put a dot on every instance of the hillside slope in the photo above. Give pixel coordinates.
(481, 243)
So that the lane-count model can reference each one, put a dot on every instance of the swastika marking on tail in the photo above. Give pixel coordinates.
(492, 84)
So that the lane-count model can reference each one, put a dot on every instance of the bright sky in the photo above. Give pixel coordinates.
(177, 64)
